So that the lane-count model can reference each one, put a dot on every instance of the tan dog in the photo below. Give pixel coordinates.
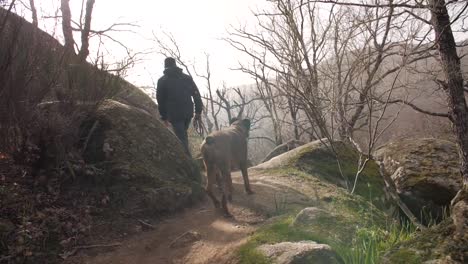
(220, 150)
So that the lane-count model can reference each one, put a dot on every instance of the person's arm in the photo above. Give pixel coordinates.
(161, 98)
(197, 99)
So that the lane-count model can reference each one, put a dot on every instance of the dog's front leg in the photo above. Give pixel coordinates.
(245, 175)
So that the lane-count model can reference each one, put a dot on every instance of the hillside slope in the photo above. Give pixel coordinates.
(94, 156)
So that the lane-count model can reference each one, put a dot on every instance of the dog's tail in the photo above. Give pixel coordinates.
(209, 140)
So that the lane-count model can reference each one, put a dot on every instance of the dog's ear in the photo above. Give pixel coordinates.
(234, 119)
(246, 123)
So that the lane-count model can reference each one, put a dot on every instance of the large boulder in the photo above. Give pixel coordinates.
(285, 147)
(320, 158)
(425, 171)
(128, 94)
(144, 164)
(304, 252)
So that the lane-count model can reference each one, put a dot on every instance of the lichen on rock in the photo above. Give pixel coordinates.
(425, 171)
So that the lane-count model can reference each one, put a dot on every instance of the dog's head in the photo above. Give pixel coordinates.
(243, 124)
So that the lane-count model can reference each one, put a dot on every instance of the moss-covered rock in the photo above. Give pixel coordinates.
(426, 173)
(334, 216)
(340, 216)
(335, 164)
(285, 147)
(144, 164)
(433, 245)
(303, 252)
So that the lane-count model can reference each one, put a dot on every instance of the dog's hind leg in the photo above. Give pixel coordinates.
(211, 179)
(226, 174)
(226, 192)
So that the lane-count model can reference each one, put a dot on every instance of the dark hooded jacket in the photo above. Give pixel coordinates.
(174, 95)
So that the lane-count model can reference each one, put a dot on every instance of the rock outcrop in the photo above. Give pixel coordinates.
(144, 165)
(300, 253)
(425, 171)
(285, 147)
(317, 158)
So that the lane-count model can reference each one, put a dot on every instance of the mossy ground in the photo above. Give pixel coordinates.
(323, 163)
(351, 217)
(433, 243)
(276, 232)
(348, 214)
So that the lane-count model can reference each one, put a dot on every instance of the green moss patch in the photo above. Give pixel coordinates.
(346, 216)
(279, 231)
(323, 163)
(433, 243)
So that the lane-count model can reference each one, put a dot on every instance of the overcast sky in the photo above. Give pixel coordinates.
(197, 25)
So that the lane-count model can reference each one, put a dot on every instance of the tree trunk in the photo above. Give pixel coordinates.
(453, 75)
(293, 113)
(227, 105)
(456, 101)
(84, 51)
(34, 13)
(66, 26)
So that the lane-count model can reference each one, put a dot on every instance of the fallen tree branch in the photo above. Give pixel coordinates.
(98, 245)
(148, 225)
(72, 252)
(391, 190)
(390, 187)
(91, 132)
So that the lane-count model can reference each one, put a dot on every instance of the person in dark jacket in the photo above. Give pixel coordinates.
(174, 95)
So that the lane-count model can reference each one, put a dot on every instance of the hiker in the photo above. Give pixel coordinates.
(174, 95)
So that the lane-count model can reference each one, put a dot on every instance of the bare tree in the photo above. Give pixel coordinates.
(453, 83)
(84, 50)
(33, 13)
(66, 26)
(225, 102)
(169, 48)
(267, 92)
(84, 27)
(453, 86)
(209, 97)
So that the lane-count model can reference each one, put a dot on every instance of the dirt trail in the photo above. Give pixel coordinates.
(218, 236)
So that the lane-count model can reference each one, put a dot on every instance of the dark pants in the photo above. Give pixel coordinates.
(180, 129)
